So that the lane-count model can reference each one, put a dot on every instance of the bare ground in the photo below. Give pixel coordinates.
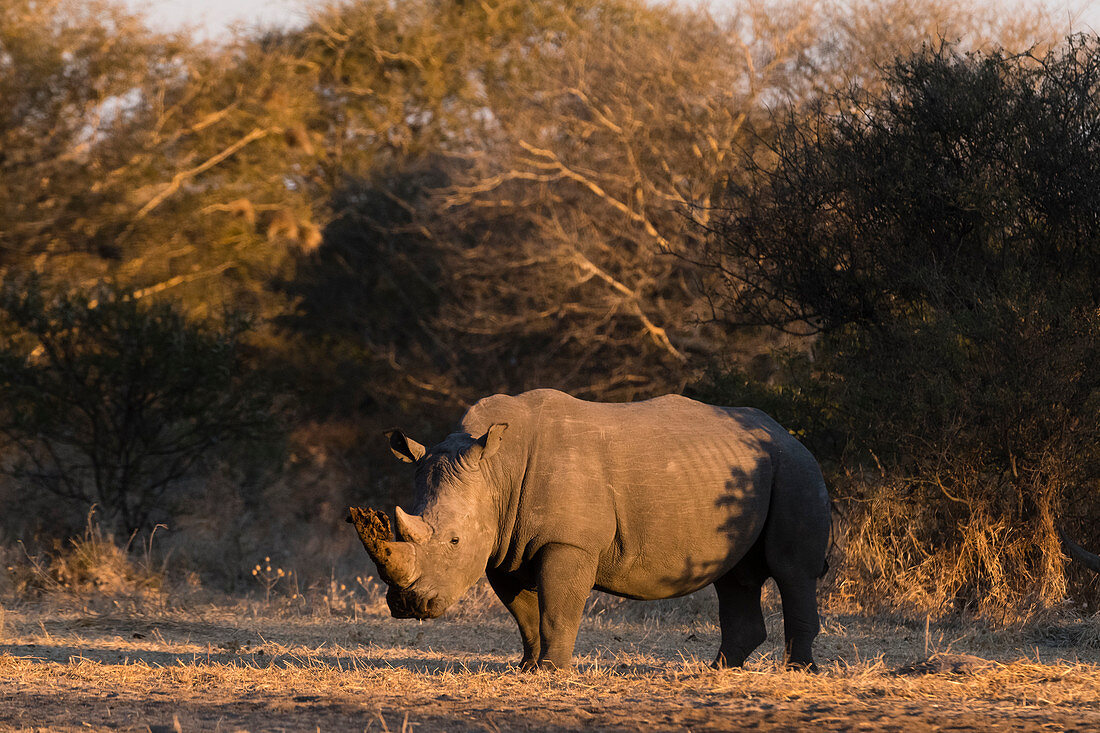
(258, 667)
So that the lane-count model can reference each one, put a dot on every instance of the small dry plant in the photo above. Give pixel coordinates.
(286, 593)
(351, 599)
(93, 565)
(271, 576)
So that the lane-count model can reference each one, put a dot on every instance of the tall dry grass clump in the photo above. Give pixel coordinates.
(903, 553)
(91, 567)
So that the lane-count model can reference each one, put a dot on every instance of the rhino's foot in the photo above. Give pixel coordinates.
(549, 665)
(542, 665)
(728, 661)
(803, 667)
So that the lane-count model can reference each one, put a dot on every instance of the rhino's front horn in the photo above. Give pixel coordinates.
(397, 565)
(396, 561)
(411, 527)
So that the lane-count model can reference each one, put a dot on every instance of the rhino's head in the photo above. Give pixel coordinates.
(441, 549)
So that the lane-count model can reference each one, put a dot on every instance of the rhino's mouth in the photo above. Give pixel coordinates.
(408, 605)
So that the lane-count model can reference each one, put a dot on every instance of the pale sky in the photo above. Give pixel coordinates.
(213, 17)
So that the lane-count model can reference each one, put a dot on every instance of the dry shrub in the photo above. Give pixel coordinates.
(907, 551)
(90, 567)
(955, 306)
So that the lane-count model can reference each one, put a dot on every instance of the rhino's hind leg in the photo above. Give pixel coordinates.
(741, 620)
(800, 620)
(796, 541)
(523, 604)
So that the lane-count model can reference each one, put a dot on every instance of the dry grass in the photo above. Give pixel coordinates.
(903, 552)
(93, 638)
(255, 666)
(92, 567)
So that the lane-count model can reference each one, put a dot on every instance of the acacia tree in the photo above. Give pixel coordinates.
(110, 401)
(510, 183)
(65, 71)
(148, 159)
(942, 236)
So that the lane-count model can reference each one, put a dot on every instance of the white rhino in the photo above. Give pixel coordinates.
(550, 496)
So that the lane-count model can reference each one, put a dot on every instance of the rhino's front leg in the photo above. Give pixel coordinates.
(566, 576)
(523, 604)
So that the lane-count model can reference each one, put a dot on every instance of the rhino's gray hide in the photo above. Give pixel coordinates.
(552, 496)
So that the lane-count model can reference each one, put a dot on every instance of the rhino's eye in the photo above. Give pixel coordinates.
(454, 540)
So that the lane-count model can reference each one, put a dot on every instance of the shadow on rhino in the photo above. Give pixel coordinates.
(551, 497)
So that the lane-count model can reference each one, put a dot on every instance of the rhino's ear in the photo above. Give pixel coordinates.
(404, 447)
(490, 442)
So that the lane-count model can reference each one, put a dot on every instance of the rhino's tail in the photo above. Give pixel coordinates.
(833, 509)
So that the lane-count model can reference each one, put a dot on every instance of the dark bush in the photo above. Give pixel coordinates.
(942, 239)
(111, 400)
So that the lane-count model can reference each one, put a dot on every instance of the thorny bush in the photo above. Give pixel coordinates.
(942, 239)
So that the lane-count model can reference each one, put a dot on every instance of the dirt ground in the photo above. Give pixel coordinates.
(257, 667)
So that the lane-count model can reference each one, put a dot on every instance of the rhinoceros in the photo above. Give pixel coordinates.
(551, 497)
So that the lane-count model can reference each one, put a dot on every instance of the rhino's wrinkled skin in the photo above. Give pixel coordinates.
(551, 496)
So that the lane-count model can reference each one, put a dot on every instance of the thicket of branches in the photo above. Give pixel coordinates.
(943, 237)
(420, 203)
(113, 402)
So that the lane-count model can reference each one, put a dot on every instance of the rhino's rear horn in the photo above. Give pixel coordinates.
(1080, 554)
(396, 561)
(411, 527)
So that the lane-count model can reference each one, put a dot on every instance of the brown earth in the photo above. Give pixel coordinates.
(260, 667)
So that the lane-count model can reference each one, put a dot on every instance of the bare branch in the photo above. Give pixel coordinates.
(659, 334)
(179, 178)
(595, 188)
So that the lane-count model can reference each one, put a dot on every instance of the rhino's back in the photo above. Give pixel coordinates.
(670, 492)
